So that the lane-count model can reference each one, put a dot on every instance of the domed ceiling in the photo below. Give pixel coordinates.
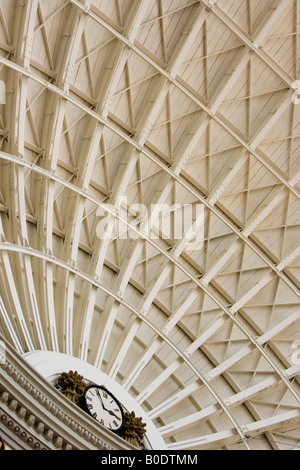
(149, 201)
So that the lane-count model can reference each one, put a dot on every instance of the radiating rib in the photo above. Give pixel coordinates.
(233, 400)
(229, 436)
(23, 26)
(215, 117)
(145, 124)
(212, 330)
(15, 297)
(148, 298)
(167, 170)
(105, 95)
(217, 301)
(253, 45)
(15, 340)
(37, 254)
(180, 159)
(152, 349)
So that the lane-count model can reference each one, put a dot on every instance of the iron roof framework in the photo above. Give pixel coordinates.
(161, 102)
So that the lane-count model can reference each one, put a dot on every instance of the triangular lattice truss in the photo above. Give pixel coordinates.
(158, 102)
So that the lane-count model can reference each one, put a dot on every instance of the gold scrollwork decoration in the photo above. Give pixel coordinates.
(134, 430)
(72, 385)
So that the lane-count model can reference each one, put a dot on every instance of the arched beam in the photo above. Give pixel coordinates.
(230, 312)
(208, 110)
(167, 170)
(36, 254)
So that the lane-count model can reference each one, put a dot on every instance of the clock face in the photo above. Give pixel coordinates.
(104, 407)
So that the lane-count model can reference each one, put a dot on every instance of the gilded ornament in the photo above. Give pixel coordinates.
(134, 430)
(72, 385)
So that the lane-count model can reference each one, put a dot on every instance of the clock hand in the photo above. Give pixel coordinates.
(105, 409)
(112, 413)
(97, 391)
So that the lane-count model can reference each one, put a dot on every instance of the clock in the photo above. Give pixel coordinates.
(104, 407)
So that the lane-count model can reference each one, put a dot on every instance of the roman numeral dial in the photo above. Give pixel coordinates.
(104, 407)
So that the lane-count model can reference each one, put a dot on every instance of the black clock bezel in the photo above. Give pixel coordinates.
(86, 409)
